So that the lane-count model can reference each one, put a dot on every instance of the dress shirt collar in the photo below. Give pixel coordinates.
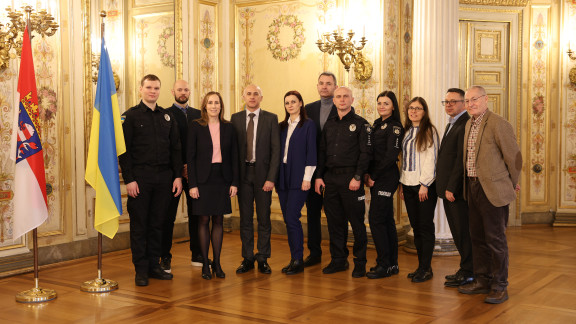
(255, 112)
(453, 120)
(290, 122)
(478, 120)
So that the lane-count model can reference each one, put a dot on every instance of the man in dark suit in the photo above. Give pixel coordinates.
(492, 161)
(183, 114)
(449, 181)
(259, 157)
(319, 111)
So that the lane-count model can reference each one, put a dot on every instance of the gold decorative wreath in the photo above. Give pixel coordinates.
(291, 51)
(166, 58)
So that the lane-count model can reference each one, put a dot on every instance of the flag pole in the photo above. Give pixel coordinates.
(100, 285)
(36, 294)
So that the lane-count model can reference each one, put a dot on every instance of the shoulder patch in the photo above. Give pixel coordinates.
(122, 118)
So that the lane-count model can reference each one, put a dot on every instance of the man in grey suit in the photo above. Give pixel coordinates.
(449, 182)
(259, 154)
(492, 162)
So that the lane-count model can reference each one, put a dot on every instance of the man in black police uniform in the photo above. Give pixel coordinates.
(183, 114)
(449, 185)
(344, 156)
(319, 111)
(152, 169)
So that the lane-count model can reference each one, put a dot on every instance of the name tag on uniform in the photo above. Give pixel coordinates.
(361, 198)
(384, 193)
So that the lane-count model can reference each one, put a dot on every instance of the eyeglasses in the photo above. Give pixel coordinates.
(450, 102)
(415, 108)
(473, 100)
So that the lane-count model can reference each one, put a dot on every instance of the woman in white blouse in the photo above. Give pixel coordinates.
(298, 151)
(420, 150)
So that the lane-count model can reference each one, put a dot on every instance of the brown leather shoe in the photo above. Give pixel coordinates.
(476, 287)
(497, 296)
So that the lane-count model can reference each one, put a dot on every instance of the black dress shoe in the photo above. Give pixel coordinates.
(217, 271)
(378, 272)
(359, 271)
(245, 266)
(412, 274)
(264, 267)
(335, 267)
(158, 273)
(141, 279)
(394, 269)
(460, 280)
(451, 277)
(296, 266)
(288, 266)
(206, 272)
(423, 275)
(312, 260)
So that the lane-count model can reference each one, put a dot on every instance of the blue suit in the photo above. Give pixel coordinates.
(301, 153)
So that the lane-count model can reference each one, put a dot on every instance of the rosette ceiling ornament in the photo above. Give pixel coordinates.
(41, 23)
(348, 51)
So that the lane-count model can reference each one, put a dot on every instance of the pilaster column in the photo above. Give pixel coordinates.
(435, 70)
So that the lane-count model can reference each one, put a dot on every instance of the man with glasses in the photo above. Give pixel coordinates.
(449, 180)
(492, 162)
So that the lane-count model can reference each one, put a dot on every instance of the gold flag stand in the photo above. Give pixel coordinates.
(99, 285)
(36, 294)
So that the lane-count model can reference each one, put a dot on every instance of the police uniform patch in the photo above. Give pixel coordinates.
(167, 117)
(122, 119)
(384, 126)
(352, 127)
(396, 130)
(361, 198)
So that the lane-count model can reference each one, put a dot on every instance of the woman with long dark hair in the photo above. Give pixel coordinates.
(420, 150)
(212, 176)
(298, 152)
(382, 178)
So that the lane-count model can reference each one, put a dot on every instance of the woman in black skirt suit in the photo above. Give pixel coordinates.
(212, 176)
(383, 179)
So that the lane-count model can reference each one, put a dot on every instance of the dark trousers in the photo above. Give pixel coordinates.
(421, 216)
(291, 202)
(342, 206)
(147, 218)
(314, 214)
(488, 232)
(383, 227)
(458, 220)
(167, 234)
(248, 193)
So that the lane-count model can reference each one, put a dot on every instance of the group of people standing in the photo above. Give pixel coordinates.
(322, 155)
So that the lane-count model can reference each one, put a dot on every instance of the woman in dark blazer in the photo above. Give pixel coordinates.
(212, 176)
(383, 179)
(298, 162)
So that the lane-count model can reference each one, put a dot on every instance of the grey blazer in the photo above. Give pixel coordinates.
(267, 145)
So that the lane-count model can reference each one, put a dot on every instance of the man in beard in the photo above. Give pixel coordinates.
(183, 114)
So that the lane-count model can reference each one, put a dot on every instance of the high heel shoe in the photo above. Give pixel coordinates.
(206, 272)
(217, 271)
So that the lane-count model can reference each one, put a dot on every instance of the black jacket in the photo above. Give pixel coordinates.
(449, 166)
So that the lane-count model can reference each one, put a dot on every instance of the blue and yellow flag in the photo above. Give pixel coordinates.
(106, 144)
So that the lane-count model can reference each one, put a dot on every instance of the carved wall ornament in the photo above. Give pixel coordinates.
(287, 52)
(166, 58)
(509, 3)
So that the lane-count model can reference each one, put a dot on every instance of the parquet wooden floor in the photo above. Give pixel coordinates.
(542, 290)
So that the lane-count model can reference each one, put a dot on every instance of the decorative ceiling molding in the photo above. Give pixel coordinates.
(511, 3)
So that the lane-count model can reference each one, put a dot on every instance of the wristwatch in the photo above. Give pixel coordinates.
(357, 177)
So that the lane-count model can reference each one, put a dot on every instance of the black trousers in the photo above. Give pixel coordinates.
(488, 233)
(248, 193)
(458, 220)
(421, 216)
(314, 214)
(383, 227)
(167, 234)
(147, 219)
(342, 206)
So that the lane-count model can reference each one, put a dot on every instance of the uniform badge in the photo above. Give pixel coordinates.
(167, 117)
(397, 130)
(122, 119)
(368, 128)
(352, 127)
(384, 126)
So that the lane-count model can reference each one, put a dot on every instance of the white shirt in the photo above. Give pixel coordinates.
(418, 168)
(257, 113)
(309, 170)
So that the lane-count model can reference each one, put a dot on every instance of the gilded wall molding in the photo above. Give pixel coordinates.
(508, 3)
(178, 38)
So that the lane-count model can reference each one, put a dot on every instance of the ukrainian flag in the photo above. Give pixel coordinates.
(106, 144)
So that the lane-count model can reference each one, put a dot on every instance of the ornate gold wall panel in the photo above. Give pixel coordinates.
(487, 45)
(488, 77)
(208, 51)
(512, 3)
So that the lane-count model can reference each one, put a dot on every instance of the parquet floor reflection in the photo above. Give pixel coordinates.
(542, 290)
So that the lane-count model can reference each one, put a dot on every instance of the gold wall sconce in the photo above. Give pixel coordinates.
(572, 74)
(41, 23)
(348, 52)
